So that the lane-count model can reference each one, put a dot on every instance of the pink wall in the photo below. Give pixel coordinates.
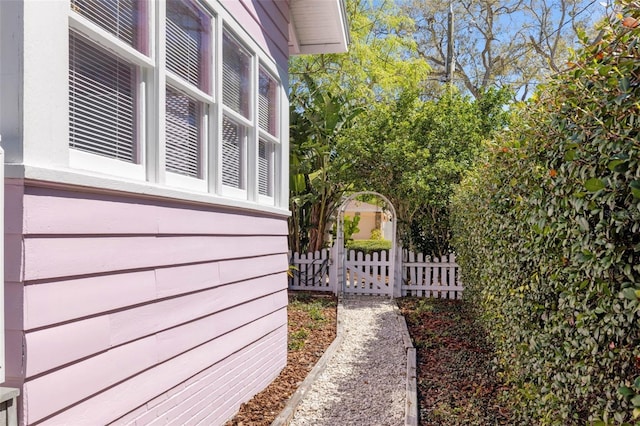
(268, 22)
(128, 310)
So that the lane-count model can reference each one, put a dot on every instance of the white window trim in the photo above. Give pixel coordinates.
(192, 183)
(96, 163)
(151, 169)
(108, 41)
(83, 160)
(193, 92)
(227, 190)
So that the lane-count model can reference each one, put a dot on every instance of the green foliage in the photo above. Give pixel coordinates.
(382, 59)
(314, 306)
(376, 234)
(547, 232)
(351, 227)
(297, 339)
(369, 246)
(317, 118)
(327, 92)
(414, 151)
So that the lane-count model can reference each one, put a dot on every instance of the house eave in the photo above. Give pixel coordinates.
(318, 26)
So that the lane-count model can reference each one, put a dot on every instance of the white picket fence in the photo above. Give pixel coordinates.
(310, 271)
(367, 274)
(419, 275)
(425, 277)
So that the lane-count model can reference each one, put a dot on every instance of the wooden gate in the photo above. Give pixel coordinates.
(368, 274)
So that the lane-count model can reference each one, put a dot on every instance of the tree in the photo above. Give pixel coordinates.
(507, 43)
(317, 118)
(414, 151)
(381, 62)
(327, 93)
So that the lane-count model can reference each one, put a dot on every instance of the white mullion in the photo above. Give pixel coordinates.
(214, 140)
(281, 152)
(188, 88)
(107, 40)
(252, 140)
(156, 142)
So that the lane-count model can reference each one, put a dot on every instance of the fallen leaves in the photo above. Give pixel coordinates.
(456, 382)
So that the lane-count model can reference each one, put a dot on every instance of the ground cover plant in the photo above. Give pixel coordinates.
(311, 329)
(547, 233)
(457, 384)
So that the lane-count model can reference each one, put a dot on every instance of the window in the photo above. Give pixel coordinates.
(170, 100)
(268, 125)
(107, 59)
(236, 65)
(183, 133)
(267, 103)
(236, 89)
(233, 137)
(188, 54)
(187, 34)
(102, 102)
(121, 18)
(265, 168)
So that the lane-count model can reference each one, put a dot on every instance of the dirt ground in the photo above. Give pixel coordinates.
(456, 382)
(312, 328)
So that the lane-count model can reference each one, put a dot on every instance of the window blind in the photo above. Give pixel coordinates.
(265, 168)
(183, 147)
(267, 102)
(232, 150)
(235, 76)
(119, 17)
(102, 101)
(186, 32)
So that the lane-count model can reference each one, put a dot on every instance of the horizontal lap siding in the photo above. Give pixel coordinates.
(130, 304)
(267, 22)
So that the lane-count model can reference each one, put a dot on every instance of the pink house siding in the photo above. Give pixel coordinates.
(131, 310)
(135, 293)
(267, 21)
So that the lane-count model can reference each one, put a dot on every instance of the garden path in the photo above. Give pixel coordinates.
(365, 379)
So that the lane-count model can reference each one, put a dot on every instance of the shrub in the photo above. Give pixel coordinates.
(547, 233)
(369, 246)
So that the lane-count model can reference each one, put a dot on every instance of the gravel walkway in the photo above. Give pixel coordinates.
(364, 382)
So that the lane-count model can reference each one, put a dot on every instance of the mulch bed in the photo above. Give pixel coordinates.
(312, 328)
(456, 382)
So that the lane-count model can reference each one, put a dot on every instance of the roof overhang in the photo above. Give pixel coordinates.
(318, 26)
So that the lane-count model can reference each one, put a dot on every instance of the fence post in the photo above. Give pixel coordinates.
(333, 269)
(398, 273)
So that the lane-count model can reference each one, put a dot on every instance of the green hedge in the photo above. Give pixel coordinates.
(369, 246)
(547, 233)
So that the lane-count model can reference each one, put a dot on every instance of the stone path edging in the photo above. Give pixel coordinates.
(411, 407)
